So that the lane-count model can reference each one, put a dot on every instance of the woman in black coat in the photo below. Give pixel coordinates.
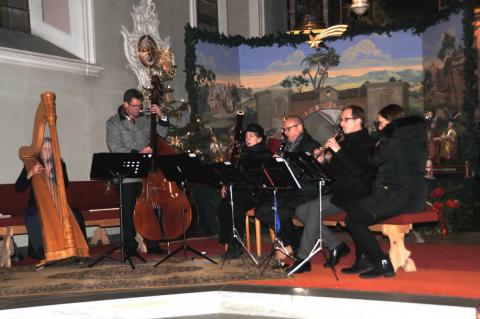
(244, 197)
(400, 156)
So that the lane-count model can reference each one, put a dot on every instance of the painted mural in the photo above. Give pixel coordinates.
(269, 83)
(443, 82)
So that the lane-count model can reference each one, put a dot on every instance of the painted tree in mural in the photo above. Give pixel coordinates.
(299, 81)
(317, 66)
(446, 54)
(203, 76)
(286, 83)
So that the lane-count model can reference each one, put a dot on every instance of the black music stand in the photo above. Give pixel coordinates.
(226, 174)
(106, 166)
(182, 169)
(307, 166)
(272, 174)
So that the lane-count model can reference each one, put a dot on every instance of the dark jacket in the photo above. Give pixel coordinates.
(256, 152)
(23, 182)
(305, 143)
(399, 158)
(351, 179)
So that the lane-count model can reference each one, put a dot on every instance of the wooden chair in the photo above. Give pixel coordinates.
(258, 232)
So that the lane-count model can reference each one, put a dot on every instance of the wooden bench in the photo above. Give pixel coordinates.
(99, 208)
(394, 228)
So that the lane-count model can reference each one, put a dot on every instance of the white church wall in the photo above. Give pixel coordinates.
(84, 103)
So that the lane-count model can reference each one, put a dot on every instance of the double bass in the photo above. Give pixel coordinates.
(158, 209)
(62, 236)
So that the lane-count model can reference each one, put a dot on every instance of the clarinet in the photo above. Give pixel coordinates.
(339, 137)
(283, 146)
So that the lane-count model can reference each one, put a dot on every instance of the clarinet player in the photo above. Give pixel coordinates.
(350, 180)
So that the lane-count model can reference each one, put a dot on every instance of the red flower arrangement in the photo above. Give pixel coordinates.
(442, 205)
(438, 192)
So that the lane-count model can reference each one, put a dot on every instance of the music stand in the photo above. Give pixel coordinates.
(225, 174)
(182, 169)
(272, 174)
(308, 167)
(119, 166)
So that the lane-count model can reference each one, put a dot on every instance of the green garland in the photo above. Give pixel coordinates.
(470, 92)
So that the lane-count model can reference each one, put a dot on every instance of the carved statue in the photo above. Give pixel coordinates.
(449, 140)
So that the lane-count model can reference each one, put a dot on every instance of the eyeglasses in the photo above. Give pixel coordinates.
(345, 119)
(136, 106)
(286, 129)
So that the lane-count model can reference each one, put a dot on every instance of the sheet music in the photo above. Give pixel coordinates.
(279, 159)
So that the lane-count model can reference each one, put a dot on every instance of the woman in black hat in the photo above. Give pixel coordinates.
(245, 197)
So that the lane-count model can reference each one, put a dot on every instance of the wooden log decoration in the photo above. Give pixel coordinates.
(100, 235)
(6, 249)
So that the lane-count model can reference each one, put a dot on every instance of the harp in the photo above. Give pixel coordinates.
(62, 237)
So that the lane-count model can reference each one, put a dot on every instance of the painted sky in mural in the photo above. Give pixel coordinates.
(373, 58)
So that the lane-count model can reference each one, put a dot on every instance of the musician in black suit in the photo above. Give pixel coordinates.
(297, 140)
(350, 180)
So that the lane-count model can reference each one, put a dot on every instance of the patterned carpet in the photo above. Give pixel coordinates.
(67, 276)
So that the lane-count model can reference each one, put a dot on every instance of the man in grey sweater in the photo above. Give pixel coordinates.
(128, 131)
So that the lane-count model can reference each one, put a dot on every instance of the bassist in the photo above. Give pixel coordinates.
(128, 131)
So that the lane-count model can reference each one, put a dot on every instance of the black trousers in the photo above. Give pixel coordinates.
(130, 192)
(357, 221)
(242, 202)
(287, 201)
(382, 204)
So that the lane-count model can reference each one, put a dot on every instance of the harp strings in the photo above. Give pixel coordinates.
(50, 174)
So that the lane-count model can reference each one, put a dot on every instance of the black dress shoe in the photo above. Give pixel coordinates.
(383, 268)
(361, 264)
(336, 254)
(156, 250)
(130, 251)
(305, 267)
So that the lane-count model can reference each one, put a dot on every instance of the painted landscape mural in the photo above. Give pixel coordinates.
(269, 83)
